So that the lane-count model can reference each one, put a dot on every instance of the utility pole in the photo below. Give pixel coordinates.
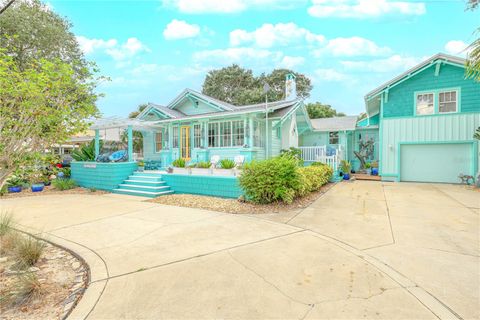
(266, 89)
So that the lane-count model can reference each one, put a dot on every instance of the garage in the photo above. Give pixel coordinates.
(436, 162)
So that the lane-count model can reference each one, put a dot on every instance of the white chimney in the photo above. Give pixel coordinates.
(290, 87)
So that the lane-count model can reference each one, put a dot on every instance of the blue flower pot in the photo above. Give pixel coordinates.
(374, 171)
(37, 187)
(346, 176)
(15, 189)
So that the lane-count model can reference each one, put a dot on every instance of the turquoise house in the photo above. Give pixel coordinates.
(418, 127)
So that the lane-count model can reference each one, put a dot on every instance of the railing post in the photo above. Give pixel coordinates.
(97, 143)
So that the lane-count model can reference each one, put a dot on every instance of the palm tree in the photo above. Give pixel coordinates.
(473, 57)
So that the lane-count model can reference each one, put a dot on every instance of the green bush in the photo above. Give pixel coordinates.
(275, 179)
(313, 178)
(227, 163)
(179, 163)
(203, 165)
(64, 184)
(295, 153)
(86, 152)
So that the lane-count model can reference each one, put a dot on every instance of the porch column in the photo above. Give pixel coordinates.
(97, 143)
(130, 143)
(250, 122)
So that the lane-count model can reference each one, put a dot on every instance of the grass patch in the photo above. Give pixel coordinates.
(6, 222)
(26, 288)
(64, 184)
(29, 250)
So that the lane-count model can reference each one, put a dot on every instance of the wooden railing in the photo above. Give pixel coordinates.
(319, 154)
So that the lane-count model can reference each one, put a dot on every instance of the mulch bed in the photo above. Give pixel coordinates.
(236, 206)
(62, 280)
(50, 190)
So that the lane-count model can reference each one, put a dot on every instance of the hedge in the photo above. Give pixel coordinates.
(281, 179)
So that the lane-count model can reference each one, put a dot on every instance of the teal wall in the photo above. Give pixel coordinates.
(99, 175)
(226, 187)
(189, 108)
(435, 128)
(319, 138)
(401, 100)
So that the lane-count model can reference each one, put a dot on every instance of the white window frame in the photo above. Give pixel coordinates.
(175, 137)
(225, 140)
(456, 100)
(336, 137)
(424, 94)
(157, 142)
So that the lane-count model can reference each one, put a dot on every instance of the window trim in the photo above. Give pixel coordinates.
(220, 136)
(436, 101)
(456, 100)
(156, 142)
(338, 137)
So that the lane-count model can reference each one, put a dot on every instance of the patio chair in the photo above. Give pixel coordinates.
(239, 160)
(214, 160)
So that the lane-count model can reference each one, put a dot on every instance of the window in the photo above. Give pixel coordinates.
(175, 137)
(158, 141)
(333, 137)
(258, 133)
(238, 133)
(213, 135)
(447, 101)
(425, 104)
(197, 136)
(165, 145)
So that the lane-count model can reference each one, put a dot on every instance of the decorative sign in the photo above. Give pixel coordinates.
(90, 165)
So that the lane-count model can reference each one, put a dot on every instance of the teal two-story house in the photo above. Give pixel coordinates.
(426, 119)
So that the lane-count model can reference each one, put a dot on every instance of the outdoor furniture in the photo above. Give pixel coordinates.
(239, 160)
(214, 160)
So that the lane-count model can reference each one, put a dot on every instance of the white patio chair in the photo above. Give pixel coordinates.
(239, 160)
(214, 160)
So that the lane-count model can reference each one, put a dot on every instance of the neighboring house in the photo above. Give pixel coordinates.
(426, 118)
(196, 127)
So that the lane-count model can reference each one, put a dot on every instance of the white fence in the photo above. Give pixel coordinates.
(319, 154)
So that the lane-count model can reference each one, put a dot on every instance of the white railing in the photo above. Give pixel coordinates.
(319, 154)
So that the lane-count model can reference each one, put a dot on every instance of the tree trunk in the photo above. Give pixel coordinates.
(361, 158)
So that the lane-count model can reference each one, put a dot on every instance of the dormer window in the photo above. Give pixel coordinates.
(425, 104)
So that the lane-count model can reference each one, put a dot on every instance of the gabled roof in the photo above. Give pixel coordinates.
(334, 124)
(185, 94)
(168, 113)
(438, 58)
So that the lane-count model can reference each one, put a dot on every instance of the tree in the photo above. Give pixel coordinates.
(137, 135)
(139, 110)
(40, 104)
(473, 56)
(30, 30)
(238, 86)
(318, 110)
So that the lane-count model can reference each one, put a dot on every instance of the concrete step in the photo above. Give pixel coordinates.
(146, 178)
(142, 193)
(147, 174)
(140, 187)
(144, 183)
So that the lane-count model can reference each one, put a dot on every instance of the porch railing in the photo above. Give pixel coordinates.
(319, 154)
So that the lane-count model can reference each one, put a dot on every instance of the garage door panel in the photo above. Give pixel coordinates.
(435, 162)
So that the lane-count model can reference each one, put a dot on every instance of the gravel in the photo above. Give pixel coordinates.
(236, 206)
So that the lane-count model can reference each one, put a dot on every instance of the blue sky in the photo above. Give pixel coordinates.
(154, 49)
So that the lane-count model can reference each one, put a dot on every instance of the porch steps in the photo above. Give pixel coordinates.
(145, 184)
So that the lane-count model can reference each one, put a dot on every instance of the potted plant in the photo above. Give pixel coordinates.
(374, 168)
(141, 166)
(345, 167)
(226, 166)
(179, 166)
(14, 184)
(201, 168)
(36, 181)
(368, 169)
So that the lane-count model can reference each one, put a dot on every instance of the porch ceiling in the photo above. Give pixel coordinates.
(122, 123)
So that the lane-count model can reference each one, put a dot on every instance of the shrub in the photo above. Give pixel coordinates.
(9, 242)
(25, 288)
(345, 166)
(292, 153)
(64, 184)
(275, 179)
(86, 152)
(227, 163)
(179, 163)
(6, 221)
(203, 165)
(29, 250)
(313, 178)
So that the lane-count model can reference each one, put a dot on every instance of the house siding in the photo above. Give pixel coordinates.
(437, 128)
(188, 108)
(401, 100)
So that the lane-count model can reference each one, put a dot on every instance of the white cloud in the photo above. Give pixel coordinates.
(289, 62)
(456, 47)
(350, 47)
(393, 63)
(228, 6)
(111, 47)
(364, 8)
(178, 29)
(330, 75)
(90, 45)
(269, 35)
(236, 55)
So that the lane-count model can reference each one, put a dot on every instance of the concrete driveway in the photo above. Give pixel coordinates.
(363, 250)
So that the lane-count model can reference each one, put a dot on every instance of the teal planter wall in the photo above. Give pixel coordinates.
(225, 187)
(102, 176)
(401, 99)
